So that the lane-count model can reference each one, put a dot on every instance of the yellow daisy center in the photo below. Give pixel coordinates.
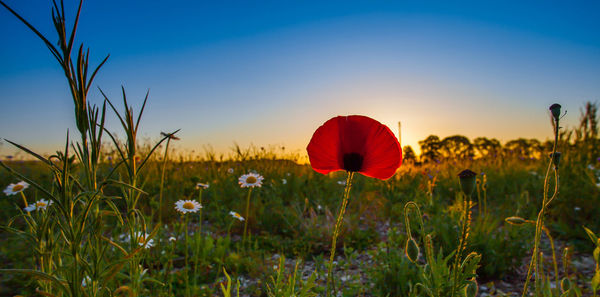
(188, 205)
(141, 239)
(250, 179)
(17, 188)
(237, 215)
(40, 204)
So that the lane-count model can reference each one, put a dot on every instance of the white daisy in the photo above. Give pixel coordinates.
(284, 181)
(251, 180)
(40, 204)
(141, 239)
(172, 238)
(236, 215)
(185, 206)
(13, 189)
(202, 186)
(86, 280)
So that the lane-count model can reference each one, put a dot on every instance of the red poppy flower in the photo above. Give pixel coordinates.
(355, 143)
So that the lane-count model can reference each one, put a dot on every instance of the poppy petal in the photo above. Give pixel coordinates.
(383, 154)
(324, 147)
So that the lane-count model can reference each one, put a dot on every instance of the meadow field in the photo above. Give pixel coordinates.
(290, 221)
(110, 215)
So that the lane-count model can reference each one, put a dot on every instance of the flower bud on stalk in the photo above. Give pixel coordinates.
(565, 284)
(517, 221)
(471, 288)
(467, 181)
(555, 159)
(412, 250)
(555, 110)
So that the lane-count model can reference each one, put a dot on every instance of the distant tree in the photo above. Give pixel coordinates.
(456, 147)
(430, 149)
(523, 148)
(486, 147)
(408, 155)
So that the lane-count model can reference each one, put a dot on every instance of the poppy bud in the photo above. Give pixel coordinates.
(471, 288)
(555, 158)
(517, 221)
(412, 250)
(555, 110)
(565, 284)
(467, 181)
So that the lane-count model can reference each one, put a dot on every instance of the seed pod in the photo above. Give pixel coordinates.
(412, 250)
(565, 284)
(555, 110)
(467, 181)
(555, 158)
(471, 288)
(517, 221)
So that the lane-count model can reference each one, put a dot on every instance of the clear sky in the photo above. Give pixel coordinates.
(271, 72)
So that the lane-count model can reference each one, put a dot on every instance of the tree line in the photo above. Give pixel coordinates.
(459, 147)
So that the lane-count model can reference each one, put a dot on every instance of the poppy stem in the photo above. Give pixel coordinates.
(338, 224)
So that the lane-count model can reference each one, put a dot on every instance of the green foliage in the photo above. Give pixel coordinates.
(290, 285)
(392, 273)
(502, 247)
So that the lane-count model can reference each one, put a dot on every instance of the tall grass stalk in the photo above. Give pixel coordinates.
(170, 137)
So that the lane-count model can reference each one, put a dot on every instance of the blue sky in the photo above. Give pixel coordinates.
(271, 72)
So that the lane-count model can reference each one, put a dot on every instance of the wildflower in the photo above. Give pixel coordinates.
(236, 215)
(284, 181)
(86, 280)
(230, 170)
(202, 186)
(356, 144)
(13, 189)
(40, 204)
(319, 207)
(251, 180)
(341, 182)
(141, 239)
(172, 238)
(185, 206)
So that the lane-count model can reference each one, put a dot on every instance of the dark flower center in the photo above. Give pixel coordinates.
(353, 162)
